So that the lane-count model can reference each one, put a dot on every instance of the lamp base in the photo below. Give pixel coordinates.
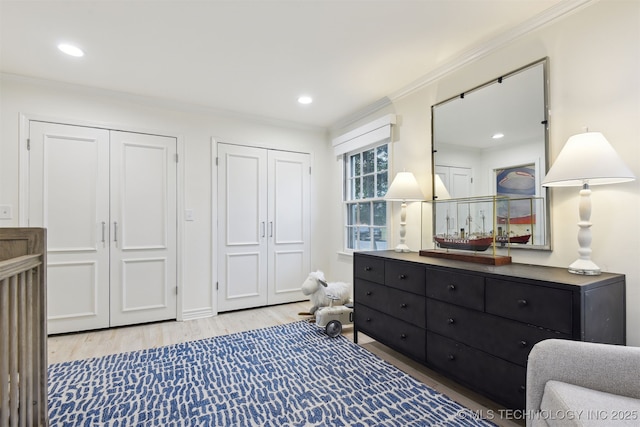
(586, 267)
(402, 248)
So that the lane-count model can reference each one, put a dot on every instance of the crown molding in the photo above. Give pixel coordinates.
(544, 18)
(481, 50)
(168, 104)
(360, 114)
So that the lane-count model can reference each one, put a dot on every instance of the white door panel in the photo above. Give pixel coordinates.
(244, 176)
(242, 215)
(243, 277)
(290, 269)
(73, 292)
(457, 181)
(143, 216)
(135, 277)
(288, 246)
(69, 195)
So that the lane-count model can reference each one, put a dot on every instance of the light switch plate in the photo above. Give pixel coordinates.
(5, 211)
(188, 215)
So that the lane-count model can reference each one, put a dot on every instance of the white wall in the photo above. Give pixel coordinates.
(594, 66)
(195, 129)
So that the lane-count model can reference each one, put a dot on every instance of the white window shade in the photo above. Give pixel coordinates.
(372, 133)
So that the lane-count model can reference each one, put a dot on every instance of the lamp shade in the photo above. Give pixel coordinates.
(587, 158)
(404, 188)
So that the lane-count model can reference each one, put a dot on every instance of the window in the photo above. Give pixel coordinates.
(366, 182)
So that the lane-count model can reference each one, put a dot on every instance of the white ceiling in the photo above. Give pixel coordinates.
(255, 57)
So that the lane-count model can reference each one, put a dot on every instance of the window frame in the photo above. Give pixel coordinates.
(350, 200)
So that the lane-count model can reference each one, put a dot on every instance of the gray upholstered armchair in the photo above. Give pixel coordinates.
(573, 383)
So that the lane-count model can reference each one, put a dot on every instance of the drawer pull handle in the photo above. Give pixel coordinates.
(367, 268)
(402, 276)
(368, 319)
(522, 302)
(522, 389)
(451, 321)
(523, 343)
(403, 337)
(368, 292)
(403, 305)
(452, 287)
(451, 357)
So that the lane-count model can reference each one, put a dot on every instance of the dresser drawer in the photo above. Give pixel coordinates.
(368, 268)
(405, 276)
(370, 294)
(401, 336)
(500, 380)
(538, 305)
(407, 307)
(507, 339)
(403, 305)
(455, 322)
(457, 288)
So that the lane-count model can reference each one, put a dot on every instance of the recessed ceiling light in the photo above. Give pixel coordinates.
(70, 49)
(304, 99)
(497, 135)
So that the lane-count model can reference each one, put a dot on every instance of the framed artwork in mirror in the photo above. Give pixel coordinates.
(518, 184)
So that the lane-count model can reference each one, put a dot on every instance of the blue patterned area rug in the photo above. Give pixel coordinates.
(288, 375)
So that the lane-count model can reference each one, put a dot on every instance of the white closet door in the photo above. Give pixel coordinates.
(108, 201)
(242, 234)
(457, 181)
(143, 226)
(288, 237)
(69, 195)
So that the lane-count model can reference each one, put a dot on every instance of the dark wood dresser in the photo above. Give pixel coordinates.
(476, 323)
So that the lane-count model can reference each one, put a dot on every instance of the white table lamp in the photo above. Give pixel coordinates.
(404, 188)
(586, 159)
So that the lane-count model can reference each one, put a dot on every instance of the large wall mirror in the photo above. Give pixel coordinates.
(492, 140)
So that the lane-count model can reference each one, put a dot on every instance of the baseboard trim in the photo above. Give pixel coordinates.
(198, 313)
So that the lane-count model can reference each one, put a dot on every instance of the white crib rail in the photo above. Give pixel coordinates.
(23, 356)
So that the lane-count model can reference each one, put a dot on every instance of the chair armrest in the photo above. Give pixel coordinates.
(604, 367)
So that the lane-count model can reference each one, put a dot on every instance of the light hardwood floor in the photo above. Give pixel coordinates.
(82, 345)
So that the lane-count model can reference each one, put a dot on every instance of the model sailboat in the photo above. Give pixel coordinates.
(478, 242)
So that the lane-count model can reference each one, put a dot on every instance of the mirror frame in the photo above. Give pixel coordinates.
(544, 191)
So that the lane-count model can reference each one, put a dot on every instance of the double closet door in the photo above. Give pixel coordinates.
(108, 201)
(263, 228)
